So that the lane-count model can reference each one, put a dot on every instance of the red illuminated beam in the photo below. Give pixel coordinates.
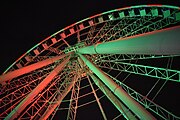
(60, 97)
(162, 42)
(27, 69)
(23, 104)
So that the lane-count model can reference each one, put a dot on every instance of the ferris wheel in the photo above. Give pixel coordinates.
(123, 58)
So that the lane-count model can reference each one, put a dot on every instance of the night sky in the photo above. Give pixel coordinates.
(25, 23)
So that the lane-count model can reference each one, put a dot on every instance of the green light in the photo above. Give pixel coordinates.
(143, 12)
(166, 13)
(121, 14)
(131, 13)
(154, 12)
(177, 16)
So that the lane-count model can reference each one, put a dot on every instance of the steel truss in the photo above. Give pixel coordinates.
(162, 73)
(74, 96)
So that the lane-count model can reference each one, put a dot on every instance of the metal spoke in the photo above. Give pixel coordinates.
(162, 73)
(97, 99)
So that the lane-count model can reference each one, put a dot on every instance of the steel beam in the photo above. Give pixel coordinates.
(27, 69)
(134, 106)
(73, 105)
(60, 97)
(147, 103)
(116, 102)
(22, 105)
(163, 42)
(124, 111)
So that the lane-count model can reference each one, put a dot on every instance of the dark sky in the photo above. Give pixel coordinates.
(26, 23)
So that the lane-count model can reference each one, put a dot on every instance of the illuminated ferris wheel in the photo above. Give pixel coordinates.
(124, 57)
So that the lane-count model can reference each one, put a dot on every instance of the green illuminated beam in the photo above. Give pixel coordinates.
(134, 106)
(163, 113)
(125, 57)
(125, 112)
(162, 73)
(159, 42)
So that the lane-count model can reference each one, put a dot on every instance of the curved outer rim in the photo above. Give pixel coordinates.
(86, 19)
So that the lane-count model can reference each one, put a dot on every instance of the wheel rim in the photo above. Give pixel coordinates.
(108, 26)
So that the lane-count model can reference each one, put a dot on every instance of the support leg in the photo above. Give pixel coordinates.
(125, 112)
(141, 112)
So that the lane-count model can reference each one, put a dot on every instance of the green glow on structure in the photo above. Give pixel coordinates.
(125, 112)
(162, 73)
(119, 92)
(163, 113)
(163, 42)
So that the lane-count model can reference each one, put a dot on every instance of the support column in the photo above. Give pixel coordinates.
(123, 110)
(27, 69)
(162, 42)
(22, 105)
(116, 102)
(134, 106)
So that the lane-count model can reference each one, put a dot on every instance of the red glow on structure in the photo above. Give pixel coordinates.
(27, 53)
(118, 9)
(69, 26)
(154, 5)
